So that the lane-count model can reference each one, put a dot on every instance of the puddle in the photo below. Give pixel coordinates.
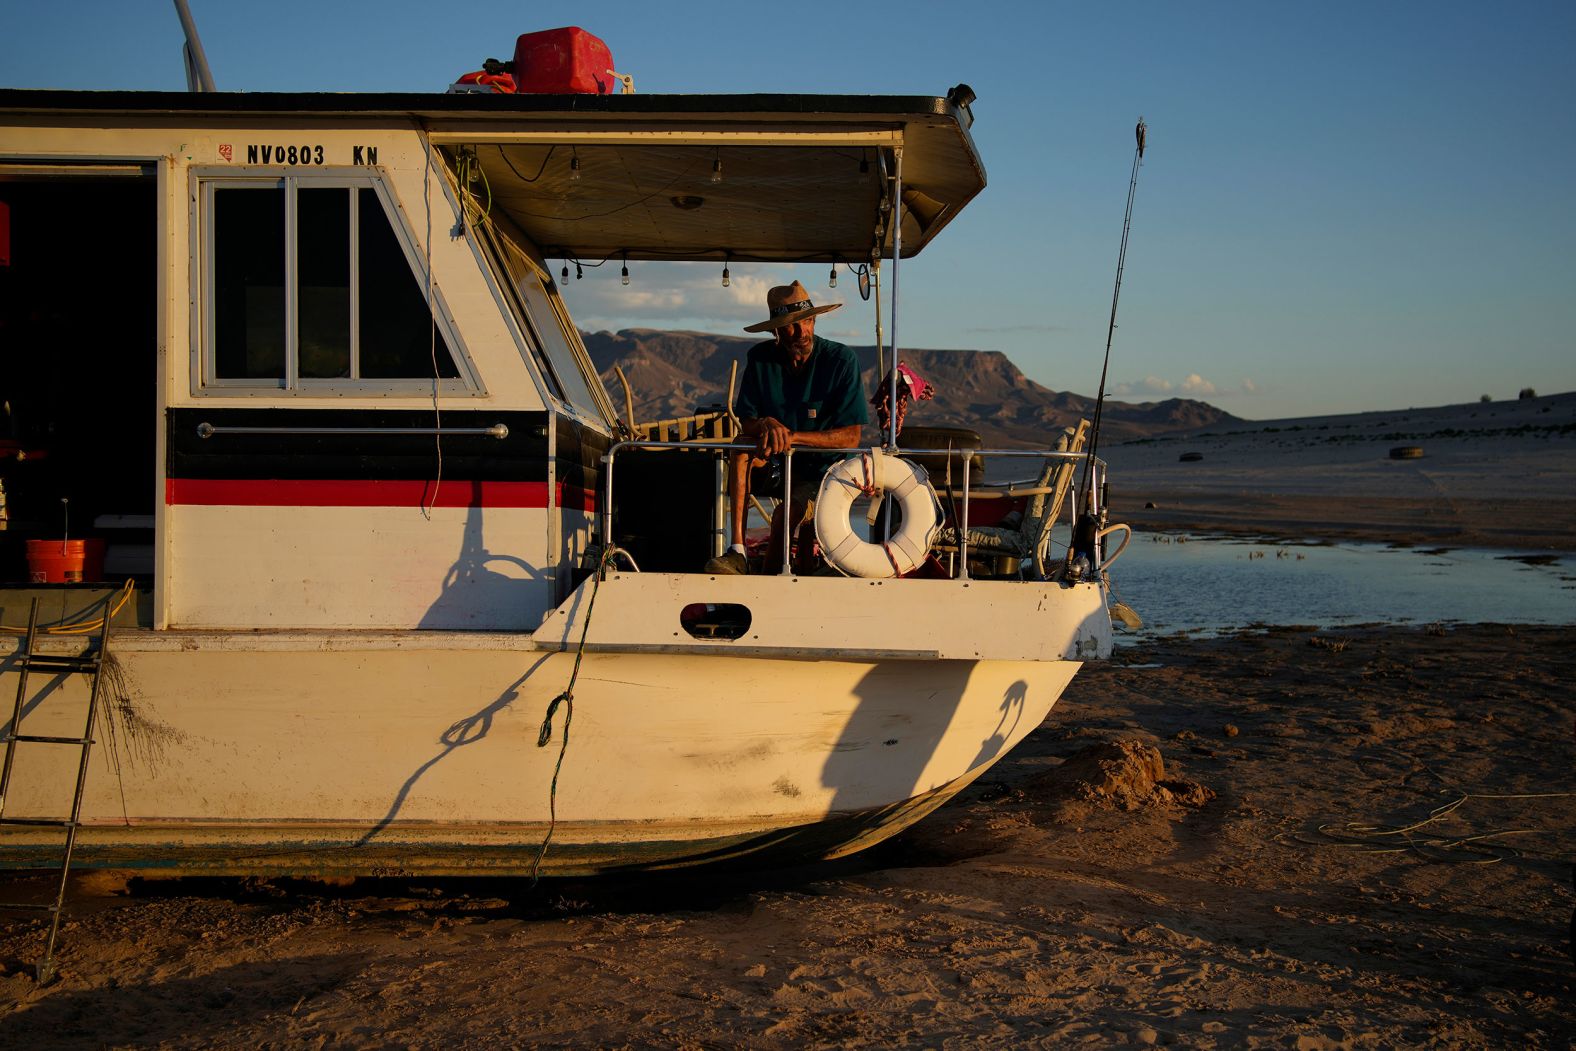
(1209, 585)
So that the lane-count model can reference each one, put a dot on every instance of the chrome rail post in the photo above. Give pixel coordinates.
(607, 507)
(1075, 492)
(1098, 481)
(719, 506)
(787, 505)
(875, 279)
(897, 254)
(963, 526)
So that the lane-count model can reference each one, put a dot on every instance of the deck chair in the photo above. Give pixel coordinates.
(1030, 539)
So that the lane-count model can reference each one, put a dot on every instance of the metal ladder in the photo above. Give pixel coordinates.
(92, 664)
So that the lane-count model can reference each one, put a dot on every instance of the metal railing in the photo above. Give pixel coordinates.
(498, 430)
(1008, 490)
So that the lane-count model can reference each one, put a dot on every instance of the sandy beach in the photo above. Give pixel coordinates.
(1196, 849)
(1073, 895)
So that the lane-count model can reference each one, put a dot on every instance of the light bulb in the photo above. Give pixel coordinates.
(625, 272)
(725, 279)
(578, 272)
(716, 170)
(566, 271)
(831, 279)
(574, 168)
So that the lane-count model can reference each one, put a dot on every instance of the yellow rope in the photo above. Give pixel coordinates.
(83, 627)
(1471, 849)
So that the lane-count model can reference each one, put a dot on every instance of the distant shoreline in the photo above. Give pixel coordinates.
(1499, 475)
(1475, 523)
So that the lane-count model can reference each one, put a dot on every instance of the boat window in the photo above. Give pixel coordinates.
(324, 216)
(554, 345)
(517, 267)
(248, 300)
(397, 336)
(311, 289)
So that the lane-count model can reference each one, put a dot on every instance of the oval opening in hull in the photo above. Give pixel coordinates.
(706, 620)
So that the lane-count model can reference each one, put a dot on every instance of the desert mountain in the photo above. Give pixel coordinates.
(671, 373)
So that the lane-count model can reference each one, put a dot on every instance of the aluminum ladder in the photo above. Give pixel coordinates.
(27, 662)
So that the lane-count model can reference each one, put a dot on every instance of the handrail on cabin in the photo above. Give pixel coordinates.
(498, 430)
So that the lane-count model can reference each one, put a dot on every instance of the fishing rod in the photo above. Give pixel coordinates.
(1087, 526)
(1139, 133)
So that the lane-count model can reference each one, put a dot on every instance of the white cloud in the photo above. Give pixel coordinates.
(654, 302)
(1147, 385)
(1192, 385)
(997, 330)
(683, 295)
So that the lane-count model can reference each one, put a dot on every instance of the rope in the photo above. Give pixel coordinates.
(83, 627)
(432, 320)
(109, 670)
(1470, 849)
(867, 463)
(886, 549)
(869, 489)
(567, 699)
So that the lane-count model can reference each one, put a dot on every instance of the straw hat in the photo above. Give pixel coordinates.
(788, 303)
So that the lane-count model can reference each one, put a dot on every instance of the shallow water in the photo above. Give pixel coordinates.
(1214, 585)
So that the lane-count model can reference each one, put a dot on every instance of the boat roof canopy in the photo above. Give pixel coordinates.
(773, 178)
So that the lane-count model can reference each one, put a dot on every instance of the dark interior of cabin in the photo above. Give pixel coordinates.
(78, 390)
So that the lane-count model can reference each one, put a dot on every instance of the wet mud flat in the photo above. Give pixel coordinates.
(1148, 868)
(1494, 475)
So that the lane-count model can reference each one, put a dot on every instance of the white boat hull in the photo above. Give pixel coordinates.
(315, 752)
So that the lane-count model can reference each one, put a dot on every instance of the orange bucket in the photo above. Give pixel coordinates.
(65, 561)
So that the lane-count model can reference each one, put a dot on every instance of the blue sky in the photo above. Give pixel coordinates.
(1345, 206)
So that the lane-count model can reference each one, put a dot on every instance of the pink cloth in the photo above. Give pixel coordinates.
(911, 387)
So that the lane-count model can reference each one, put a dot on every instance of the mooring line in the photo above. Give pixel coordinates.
(567, 699)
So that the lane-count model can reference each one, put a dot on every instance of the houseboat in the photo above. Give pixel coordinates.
(408, 591)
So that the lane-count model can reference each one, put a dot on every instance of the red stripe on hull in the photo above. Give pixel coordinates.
(333, 492)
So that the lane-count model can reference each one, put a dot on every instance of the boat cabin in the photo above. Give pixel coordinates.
(301, 361)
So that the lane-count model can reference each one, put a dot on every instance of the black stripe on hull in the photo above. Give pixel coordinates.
(522, 456)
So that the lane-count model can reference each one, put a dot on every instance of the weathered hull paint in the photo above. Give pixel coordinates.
(493, 850)
(332, 753)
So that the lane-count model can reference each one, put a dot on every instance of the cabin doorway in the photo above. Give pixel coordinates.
(79, 384)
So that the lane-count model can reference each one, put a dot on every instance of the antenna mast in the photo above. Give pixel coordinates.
(1139, 133)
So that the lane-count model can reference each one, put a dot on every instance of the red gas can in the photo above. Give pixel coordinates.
(562, 62)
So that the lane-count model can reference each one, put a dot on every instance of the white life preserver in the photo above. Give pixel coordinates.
(902, 481)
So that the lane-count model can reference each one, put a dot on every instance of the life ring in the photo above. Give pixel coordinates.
(902, 481)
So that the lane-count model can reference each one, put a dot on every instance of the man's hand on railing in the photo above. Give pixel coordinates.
(773, 437)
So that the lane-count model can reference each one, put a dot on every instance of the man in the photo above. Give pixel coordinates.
(798, 391)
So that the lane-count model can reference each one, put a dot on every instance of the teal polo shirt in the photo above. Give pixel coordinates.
(826, 394)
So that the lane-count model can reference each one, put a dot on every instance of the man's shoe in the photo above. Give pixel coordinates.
(729, 562)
